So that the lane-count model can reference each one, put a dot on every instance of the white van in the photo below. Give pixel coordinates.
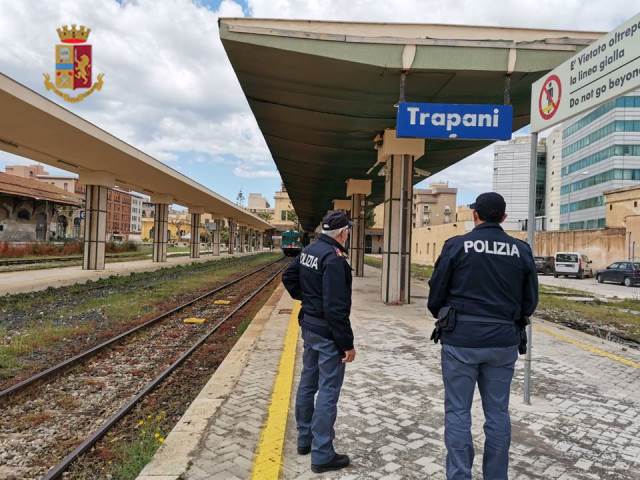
(572, 263)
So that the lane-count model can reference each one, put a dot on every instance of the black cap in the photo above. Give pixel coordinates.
(335, 220)
(490, 206)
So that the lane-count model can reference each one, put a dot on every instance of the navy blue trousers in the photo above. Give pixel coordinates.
(322, 373)
(492, 369)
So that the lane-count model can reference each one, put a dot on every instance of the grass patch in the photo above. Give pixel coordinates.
(133, 455)
(419, 272)
(592, 316)
(36, 321)
(373, 261)
(32, 339)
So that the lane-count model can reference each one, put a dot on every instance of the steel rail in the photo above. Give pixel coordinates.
(59, 469)
(93, 350)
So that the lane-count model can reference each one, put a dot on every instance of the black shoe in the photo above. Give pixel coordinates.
(338, 462)
(304, 450)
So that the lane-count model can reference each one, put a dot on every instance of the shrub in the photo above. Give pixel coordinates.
(10, 250)
(119, 247)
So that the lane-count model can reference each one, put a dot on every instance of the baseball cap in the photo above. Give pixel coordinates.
(335, 220)
(490, 206)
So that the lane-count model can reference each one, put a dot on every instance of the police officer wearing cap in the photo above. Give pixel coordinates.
(483, 289)
(321, 278)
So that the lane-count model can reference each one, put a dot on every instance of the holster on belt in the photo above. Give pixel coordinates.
(446, 322)
(522, 325)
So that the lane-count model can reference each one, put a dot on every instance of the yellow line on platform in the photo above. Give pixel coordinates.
(268, 459)
(589, 348)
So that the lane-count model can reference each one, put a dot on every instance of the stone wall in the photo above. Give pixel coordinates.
(602, 246)
(30, 220)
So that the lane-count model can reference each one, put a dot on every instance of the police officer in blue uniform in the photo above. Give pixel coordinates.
(321, 278)
(482, 291)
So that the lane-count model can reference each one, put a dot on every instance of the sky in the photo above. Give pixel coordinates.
(171, 92)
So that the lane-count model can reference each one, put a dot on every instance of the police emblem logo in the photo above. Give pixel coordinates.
(74, 65)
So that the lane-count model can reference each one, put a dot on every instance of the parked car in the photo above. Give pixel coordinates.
(624, 273)
(572, 264)
(545, 265)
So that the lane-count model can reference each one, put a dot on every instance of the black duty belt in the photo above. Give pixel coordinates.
(465, 317)
(315, 321)
(317, 325)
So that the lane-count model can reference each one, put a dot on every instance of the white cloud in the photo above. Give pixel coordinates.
(168, 88)
(595, 14)
(244, 172)
(471, 176)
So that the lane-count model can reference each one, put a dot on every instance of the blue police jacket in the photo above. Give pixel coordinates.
(484, 275)
(321, 278)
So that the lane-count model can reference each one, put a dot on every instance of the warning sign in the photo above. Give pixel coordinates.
(606, 69)
(550, 96)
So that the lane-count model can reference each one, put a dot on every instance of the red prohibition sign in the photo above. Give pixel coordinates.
(552, 106)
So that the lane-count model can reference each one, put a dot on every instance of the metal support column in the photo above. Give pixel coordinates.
(160, 232)
(95, 227)
(195, 235)
(396, 255)
(356, 246)
(531, 237)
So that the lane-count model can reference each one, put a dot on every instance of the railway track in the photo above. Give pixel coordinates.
(60, 413)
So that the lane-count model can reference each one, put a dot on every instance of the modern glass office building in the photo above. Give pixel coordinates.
(600, 152)
(511, 161)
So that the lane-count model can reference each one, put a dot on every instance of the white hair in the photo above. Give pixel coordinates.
(335, 233)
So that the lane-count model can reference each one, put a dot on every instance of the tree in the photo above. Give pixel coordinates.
(180, 223)
(369, 217)
(292, 216)
(240, 198)
(266, 216)
(224, 235)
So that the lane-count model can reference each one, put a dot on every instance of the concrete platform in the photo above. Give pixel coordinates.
(41, 279)
(584, 422)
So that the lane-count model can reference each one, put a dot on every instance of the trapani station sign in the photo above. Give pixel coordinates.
(607, 68)
(452, 120)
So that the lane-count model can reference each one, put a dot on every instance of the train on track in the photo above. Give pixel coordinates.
(292, 243)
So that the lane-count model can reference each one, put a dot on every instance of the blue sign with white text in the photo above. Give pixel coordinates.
(474, 121)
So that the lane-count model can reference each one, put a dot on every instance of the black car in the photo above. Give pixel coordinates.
(624, 273)
(545, 265)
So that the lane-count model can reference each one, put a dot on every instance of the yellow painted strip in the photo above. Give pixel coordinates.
(268, 459)
(195, 320)
(588, 347)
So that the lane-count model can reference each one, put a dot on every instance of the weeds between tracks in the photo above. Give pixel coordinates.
(39, 328)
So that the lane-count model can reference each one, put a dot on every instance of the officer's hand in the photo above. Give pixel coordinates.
(349, 356)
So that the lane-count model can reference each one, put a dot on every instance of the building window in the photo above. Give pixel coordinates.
(24, 215)
(610, 207)
(66, 187)
(635, 203)
(283, 215)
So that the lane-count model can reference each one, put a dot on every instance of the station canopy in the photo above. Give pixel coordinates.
(321, 91)
(36, 128)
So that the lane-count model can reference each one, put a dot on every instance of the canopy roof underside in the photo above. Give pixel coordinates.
(320, 91)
